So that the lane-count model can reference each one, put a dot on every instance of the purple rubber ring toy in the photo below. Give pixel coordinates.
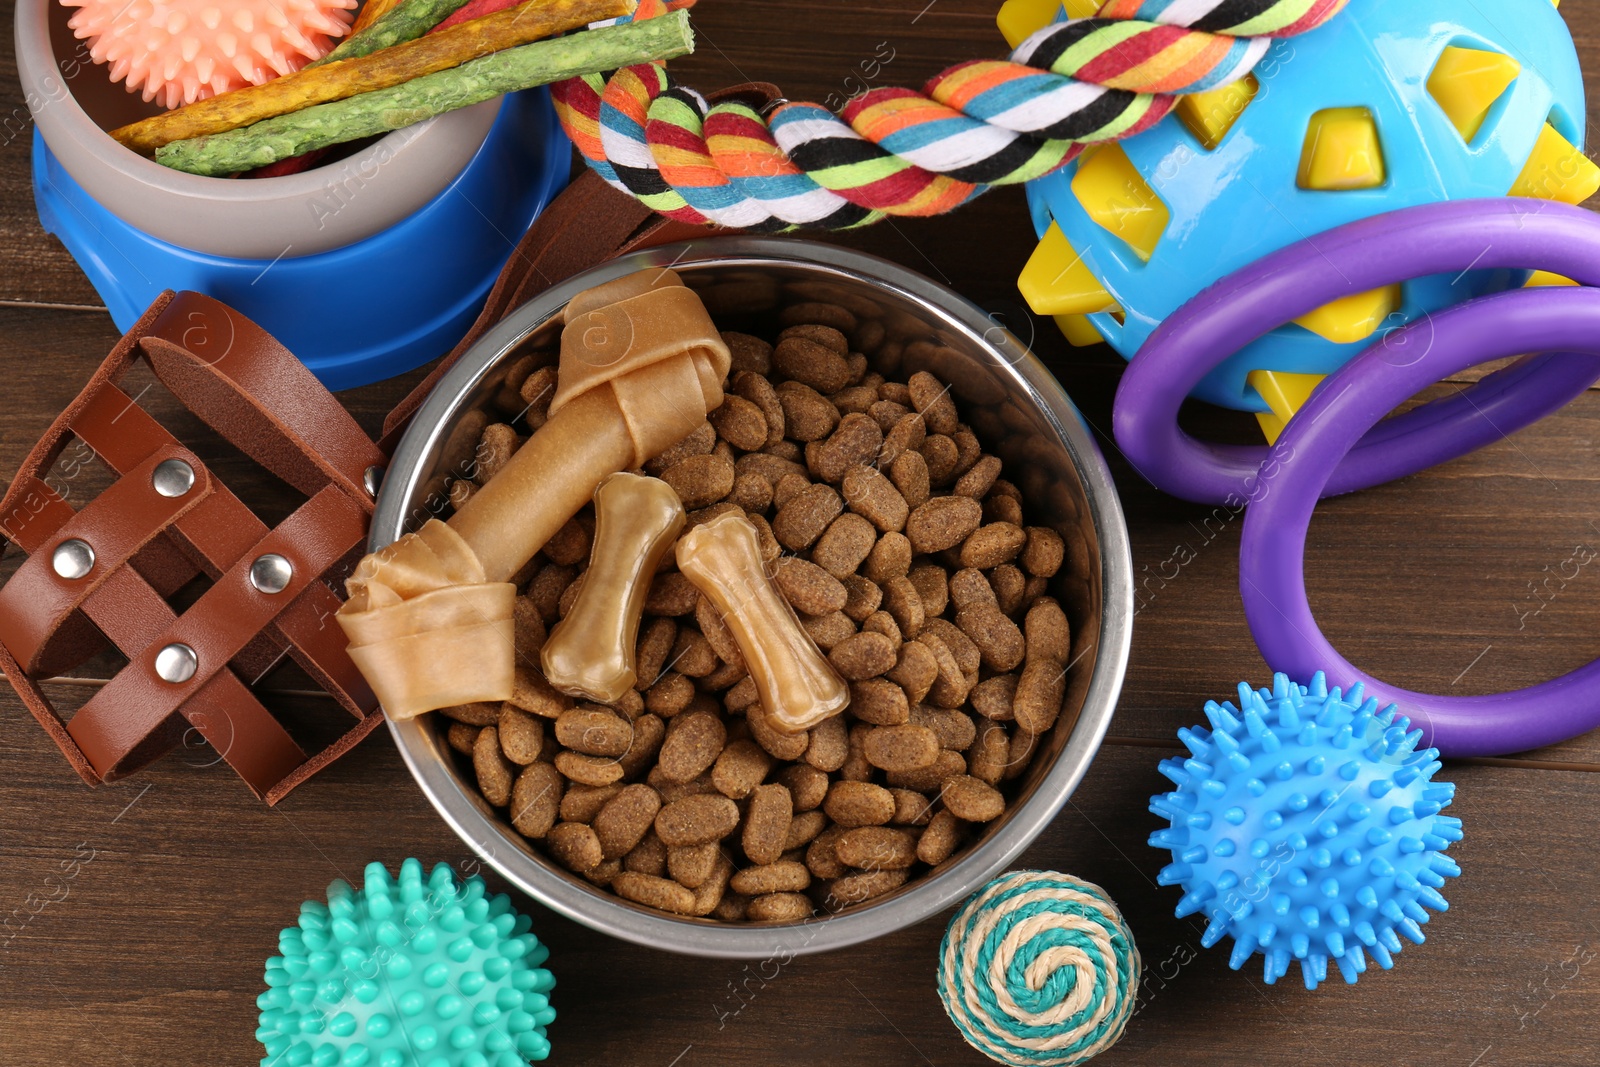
(1317, 439)
(1454, 236)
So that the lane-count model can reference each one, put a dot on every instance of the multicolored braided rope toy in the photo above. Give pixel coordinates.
(897, 151)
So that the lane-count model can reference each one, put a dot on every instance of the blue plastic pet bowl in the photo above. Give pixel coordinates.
(361, 312)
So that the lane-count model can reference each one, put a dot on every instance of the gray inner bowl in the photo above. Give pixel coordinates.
(1014, 406)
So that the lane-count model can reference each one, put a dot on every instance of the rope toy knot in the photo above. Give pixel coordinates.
(1039, 969)
(895, 151)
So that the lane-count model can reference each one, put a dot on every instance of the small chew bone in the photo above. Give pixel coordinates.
(641, 366)
(798, 688)
(590, 653)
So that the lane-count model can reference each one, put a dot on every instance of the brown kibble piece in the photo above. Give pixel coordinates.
(670, 695)
(903, 602)
(816, 316)
(931, 398)
(939, 839)
(960, 645)
(589, 770)
(871, 495)
(625, 819)
(909, 473)
(782, 876)
(804, 828)
(759, 391)
(911, 808)
(788, 487)
(999, 640)
(929, 779)
(648, 733)
(701, 480)
(536, 799)
(671, 594)
(942, 523)
(830, 744)
(694, 820)
(856, 768)
(660, 893)
(889, 559)
(876, 848)
(916, 669)
(574, 846)
(496, 446)
(972, 800)
(521, 735)
(531, 693)
(807, 786)
(766, 825)
(977, 482)
(859, 804)
(986, 758)
(808, 588)
(495, 772)
(954, 729)
(991, 545)
(807, 414)
(537, 390)
(998, 508)
(901, 748)
(698, 442)
(863, 655)
(864, 886)
(751, 493)
(740, 423)
(594, 731)
(1023, 747)
(581, 803)
(731, 908)
(992, 698)
(785, 746)
(749, 354)
(693, 655)
(862, 595)
(649, 856)
(1044, 553)
(941, 455)
(741, 767)
(717, 634)
(880, 701)
(933, 587)
(693, 743)
(821, 860)
(779, 908)
(462, 737)
(856, 440)
(691, 865)
(804, 360)
(805, 516)
(711, 896)
(1009, 587)
(844, 545)
(527, 629)
(655, 643)
(950, 685)
(485, 714)
(906, 435)
(1044, 678)
(546, 588)
(569, 545)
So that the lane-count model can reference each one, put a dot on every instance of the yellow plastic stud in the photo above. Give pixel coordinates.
(1285, 394)
(1020, 19)
(1353, 317)
(1341, 151)
(1078, 330)
(1056, 280)
(1466, 82)
(1557, 170)
(1117, 197)
(1541, 278)
(1209, 116)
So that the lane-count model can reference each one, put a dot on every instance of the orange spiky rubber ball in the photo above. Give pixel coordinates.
(180, 51)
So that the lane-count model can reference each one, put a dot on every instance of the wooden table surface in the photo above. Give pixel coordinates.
(152, 953)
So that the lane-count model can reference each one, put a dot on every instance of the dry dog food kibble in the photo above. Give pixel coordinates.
(909, 558)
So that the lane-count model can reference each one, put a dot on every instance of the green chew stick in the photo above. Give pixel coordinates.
(406, 21)
(378, 112)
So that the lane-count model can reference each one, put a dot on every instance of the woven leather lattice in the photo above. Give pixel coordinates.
(146, 545)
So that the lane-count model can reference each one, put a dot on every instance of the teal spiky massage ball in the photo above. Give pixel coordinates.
(407, 973)
(1307, 827)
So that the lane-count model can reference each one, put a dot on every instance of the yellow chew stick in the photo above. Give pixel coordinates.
(450, 47)
(371, 12)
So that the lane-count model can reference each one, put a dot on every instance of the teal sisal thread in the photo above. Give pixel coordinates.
(1039, 969)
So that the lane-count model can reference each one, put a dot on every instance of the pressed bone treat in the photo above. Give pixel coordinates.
(590, 652)
(429, 617)
(914, 569)
(798, 689)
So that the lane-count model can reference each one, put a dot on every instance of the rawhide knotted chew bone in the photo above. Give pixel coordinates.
(429, 617)
(590, 653)
(798, 688)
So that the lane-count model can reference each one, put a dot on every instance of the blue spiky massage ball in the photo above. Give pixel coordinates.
(407, 973)
(1307, 827)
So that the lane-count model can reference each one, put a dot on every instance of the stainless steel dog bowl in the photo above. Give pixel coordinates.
(1015, 407)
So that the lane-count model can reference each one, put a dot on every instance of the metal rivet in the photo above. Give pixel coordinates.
(173, 477)
(72, 558)
(176, 663)
(271, 573)
(372, 479)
